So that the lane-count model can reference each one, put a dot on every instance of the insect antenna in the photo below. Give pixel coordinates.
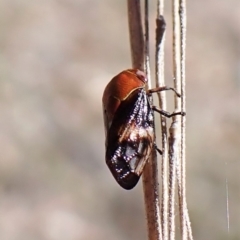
(157, 149)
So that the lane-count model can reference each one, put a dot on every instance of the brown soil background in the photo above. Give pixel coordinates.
(55, 59)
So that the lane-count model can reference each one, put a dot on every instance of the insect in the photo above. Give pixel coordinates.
(128, 120)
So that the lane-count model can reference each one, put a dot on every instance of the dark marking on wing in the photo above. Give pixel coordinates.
(129, 140)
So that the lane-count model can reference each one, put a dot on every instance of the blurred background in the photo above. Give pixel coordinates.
(55, 59)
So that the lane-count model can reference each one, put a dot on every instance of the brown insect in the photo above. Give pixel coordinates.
(128, 120)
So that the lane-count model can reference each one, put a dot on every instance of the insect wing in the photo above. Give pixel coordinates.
(130, 139)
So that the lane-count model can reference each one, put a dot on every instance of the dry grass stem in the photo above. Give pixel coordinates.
(175, 136)
(150, 174)
(159, 61)
(136, 33)
(162, 226)
(185, 218)
(179, 49)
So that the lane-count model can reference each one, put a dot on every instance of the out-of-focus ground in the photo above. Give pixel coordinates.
(55, 59)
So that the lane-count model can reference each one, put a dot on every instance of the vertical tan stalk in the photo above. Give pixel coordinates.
(185, 220)
(175, 132)
(163, 226)
(159, 69)
(150, 174)
(136, 33)
(182, 187)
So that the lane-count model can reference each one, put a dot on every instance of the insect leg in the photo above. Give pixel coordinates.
(157, 149)
(164, 88)
(161, 26)
(167, 114)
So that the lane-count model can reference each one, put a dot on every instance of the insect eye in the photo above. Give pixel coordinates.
(141, 75)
